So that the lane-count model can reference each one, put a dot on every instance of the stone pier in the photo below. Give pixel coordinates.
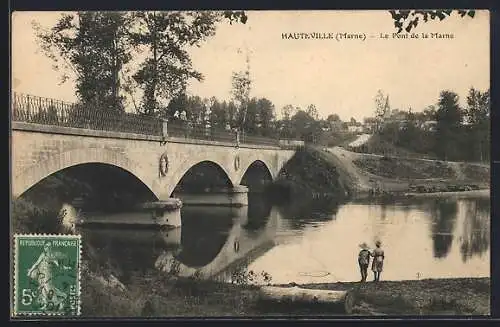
(159, 213)
(164, 213)
(236, 196)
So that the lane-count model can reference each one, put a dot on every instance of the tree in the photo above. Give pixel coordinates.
(409, 135)
(166, 36)
(252, 114)
(312, 111)
(177, 104)
(478, 114)
(196, 110)
(94, 46)
(217, 114)
(333, 118)
(449, 118)
(241, 86)
(430, 112)
(266, 111)
(382, 107)
(409, 19)
(305, 127)
(287, 112)
(369, 120)
(232, 113)
(478, 106)
(97, 46)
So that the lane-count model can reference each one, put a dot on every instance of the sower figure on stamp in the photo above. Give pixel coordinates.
(378, 261)
(364, 261)
(42, 272)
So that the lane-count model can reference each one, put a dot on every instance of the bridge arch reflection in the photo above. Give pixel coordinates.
(241, 244)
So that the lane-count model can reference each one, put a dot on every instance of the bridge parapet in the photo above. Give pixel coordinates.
(45, 111)
(51, 112)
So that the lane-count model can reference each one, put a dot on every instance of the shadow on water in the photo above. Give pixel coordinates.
(444, 215)
(128, 251)
(204, 233)
(259, 209)
(475, 239)
(131, 252)
(301, 212)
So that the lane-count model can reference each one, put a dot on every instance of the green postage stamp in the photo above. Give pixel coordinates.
(47, 275)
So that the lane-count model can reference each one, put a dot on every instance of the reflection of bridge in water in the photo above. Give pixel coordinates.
(208, 243)
(242, 245)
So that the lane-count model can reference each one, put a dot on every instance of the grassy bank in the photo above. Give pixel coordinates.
(195, 298)
(461, 296)
(307, 176)
(376, 174)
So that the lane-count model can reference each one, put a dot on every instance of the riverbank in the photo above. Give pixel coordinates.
(196, 298)
(379, 175)
(458, 296)
(456, 195)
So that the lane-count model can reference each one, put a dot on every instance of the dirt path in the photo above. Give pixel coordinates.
(362, 139)
(365, 181)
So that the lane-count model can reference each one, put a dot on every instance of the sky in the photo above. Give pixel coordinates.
(338, 77)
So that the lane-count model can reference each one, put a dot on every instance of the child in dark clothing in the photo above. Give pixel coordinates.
(364, 261)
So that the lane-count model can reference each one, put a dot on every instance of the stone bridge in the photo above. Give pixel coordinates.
(157, 161)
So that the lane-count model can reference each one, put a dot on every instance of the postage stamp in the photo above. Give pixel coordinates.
(47, 275)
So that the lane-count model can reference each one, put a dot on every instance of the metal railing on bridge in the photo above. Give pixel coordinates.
(185, 130)
(46, 111)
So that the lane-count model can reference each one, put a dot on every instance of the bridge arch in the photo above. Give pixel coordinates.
(252, 160)
(215, 173)
(57, 162)
(256, 176)
(258, 163)
(188, 162)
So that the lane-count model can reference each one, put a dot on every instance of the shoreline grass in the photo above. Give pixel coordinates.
(181, 297)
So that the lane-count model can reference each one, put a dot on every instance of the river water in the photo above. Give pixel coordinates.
(313, 243)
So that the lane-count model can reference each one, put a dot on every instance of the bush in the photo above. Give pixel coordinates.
(243, 276)
(27, 217)
(99, 301)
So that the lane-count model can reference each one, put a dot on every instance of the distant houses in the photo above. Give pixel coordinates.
(355, 127)
(336, 126)
(370, 125)
(429, 125)
(402, 118)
